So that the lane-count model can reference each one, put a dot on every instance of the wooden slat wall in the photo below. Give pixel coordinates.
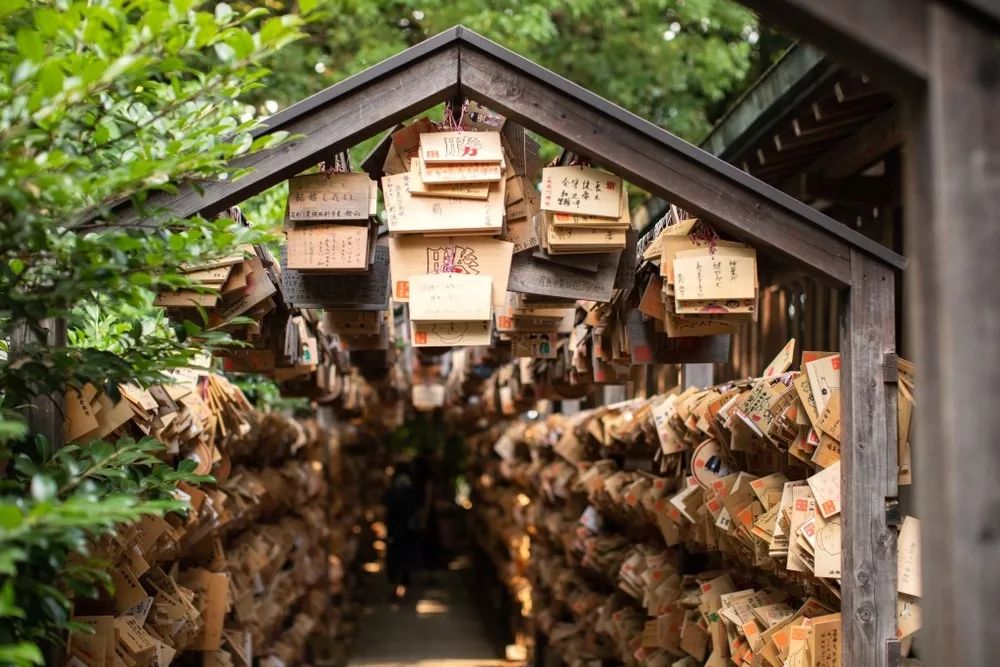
(803, 309)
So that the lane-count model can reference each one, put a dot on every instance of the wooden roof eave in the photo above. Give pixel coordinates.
(460, 61)
(665, 165)
(330, 121)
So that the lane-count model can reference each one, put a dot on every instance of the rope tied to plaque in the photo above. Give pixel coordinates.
(705, 233)
(336, 166)
(448, 262)
(448, 121)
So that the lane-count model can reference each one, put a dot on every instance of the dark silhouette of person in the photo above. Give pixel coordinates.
(402, 505)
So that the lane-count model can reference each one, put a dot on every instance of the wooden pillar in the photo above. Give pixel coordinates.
(868, 456)
(954, 244)
(45, 414)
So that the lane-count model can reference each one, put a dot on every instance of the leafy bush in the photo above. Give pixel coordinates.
(102, 103)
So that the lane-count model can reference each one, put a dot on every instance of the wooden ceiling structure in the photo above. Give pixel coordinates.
(461, 64)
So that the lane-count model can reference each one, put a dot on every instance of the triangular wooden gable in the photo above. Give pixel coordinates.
(459, 62)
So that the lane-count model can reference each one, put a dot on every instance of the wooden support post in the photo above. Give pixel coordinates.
(45, 414)
(868, 558)
(955, 240)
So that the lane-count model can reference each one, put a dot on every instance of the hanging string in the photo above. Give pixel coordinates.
(705, 233)
(448, 121)
(449, 263)
(337, 166)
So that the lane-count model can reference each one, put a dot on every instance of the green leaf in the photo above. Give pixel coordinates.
(223, 13)
(30, 44)
(10, 517)
(50, 78)
(8, 7)
(8, 605)
(22, 653)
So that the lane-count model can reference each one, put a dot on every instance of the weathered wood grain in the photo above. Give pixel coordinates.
(868, 558)
(886, 39)
(955, 239)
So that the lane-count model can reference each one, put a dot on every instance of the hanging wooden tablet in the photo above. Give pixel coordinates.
(327, 248)
(340, 196)
(532, 276)
(363, 291)
(454, 190)
(581, 191)
(450, 309)
(461, 148)
(409, 215)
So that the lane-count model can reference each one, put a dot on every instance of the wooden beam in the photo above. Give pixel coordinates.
(373, 162)
(859, 150)
(954, 238)
(855, 88)
(788, 140)
(886, 39)
(829, 113)
(342, 122)
(711, 193)
(868, 190)
(868, 558)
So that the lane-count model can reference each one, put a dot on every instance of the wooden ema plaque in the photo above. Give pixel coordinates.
(362, 291)
(650, 347)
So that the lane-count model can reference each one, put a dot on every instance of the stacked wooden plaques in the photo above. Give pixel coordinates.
(455, 185)
(585, 210)
(442, 212)
(190, 416)
(242, 574)
(329, 228)
(534, 326)
(238, 285)
(448, 309)
(616, 500)
(333, 260)
(706, 286)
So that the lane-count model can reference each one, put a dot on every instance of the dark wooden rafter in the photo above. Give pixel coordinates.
(328, 122)
(460, 62)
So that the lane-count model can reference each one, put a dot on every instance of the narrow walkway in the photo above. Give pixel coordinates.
(436, 626)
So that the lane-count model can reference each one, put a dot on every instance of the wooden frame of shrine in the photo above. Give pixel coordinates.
(461, 64)
(942, 59)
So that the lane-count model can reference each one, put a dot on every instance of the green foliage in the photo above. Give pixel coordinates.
(674, 62)
(265, 394)
(421, 434)
(101, 105)
(71, 496)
